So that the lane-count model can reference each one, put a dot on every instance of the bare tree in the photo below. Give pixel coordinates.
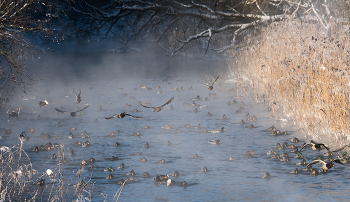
(208, 25)
(17, 19)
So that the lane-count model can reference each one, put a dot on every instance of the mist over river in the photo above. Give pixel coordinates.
(110, 81)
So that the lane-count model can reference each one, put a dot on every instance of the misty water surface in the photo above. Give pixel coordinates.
(100, 75)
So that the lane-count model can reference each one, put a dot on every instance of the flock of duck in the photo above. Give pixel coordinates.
(327, 160)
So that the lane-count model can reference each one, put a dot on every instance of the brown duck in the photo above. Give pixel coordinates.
(72, 114)
(122, 115)
(157, 109)
(210, 87)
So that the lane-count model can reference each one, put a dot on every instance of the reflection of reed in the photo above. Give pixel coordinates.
(305, 73)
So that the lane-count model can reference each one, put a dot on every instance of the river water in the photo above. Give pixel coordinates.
(99, 78)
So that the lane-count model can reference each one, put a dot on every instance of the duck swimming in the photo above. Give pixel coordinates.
(146, 145)
(145, 175)
(43, 103)
(122, 166)
(218, 131)
(204, 169)
(109, 169)
(122, 115)
(214, 142)
(157, 109)
(211, 86)
(72, 114)
(267, 176)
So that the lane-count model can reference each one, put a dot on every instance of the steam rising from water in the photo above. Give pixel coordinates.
(99, 75)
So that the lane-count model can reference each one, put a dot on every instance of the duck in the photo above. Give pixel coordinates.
(196, 156)
(252, 119)
(205, 99)
(303, 162)
(276, 133)
(59, 124)
(85, 144)
(325, 166)
(300, 155)
(229, 158)
(296, 171)
(143, 160)
(109, 169)
(204, 169)
(229, 103)
(160, 178)
(242, 122)
(171, 126)
(267, 176)
(157, 109)
(122, 166)
(136, 134)
(145, 175)
(295, 140)
(223, 117)
(187, 125)
(92, 160)
(209, 114)
(43, 103)
(146, 145)
(214, 142)
(272, 152)
(131, 173)
(109, 177)
(271, 129)
(114, 158)
(211, 86)
(85, 135)
(128, 106)
(70, 136)
(249, 154)
(122, 115)
(13, 114)
(147, 127)
(176, 174)
(251, 126)
(218, 131)
(72, 114)
(194, 104)
(8, 132)
(204, 130)
(78, 96)
(196, 98)
(195, 110)
(31, 130)
(168, 143)
(161, 161)
(316, 146)
(117, 144)
(190, 88)
(171, 107)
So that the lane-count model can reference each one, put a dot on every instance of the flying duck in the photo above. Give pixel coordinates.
(157, 109)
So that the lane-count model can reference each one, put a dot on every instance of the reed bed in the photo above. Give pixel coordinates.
(19, 181)
(303, 70)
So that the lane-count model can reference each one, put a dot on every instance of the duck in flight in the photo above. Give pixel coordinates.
(122, 115)
(78, 100)
(72, 114)
(326, 166)
(210, 87)
(316, 146)
(157, 109)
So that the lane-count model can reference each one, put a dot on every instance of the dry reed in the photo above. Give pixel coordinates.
(303, 70)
